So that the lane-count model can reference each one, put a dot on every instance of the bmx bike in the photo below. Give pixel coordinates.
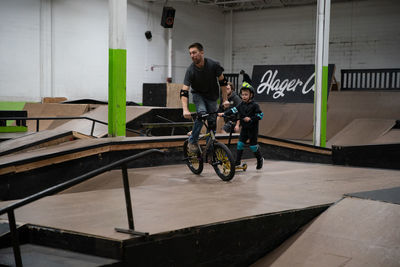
(215, 153)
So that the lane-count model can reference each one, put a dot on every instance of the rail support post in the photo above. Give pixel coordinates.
(128, 201)
(14, 238)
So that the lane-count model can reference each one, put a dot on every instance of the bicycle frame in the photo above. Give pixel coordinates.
(215, 153)
(209, 137)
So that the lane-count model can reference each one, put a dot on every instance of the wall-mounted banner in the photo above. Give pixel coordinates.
(286, 83)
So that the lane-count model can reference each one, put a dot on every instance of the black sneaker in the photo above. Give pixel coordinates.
(260, 163)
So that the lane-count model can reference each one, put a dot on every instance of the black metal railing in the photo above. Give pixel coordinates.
(13, 113)
(61, 118)
(233, 78)
(63, 186)
(148, 126)
(370, 79)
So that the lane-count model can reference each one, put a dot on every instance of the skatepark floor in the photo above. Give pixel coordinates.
(177, 198)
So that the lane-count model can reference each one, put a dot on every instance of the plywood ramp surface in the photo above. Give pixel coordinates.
(38, 139)
(391, 137)
(354, 232)
(52, 110)
(101, 114)
(362, 132)
(295, 120)
(286, 121)
(45, 151)
(171, 197)
(346, 106)
(87, 146)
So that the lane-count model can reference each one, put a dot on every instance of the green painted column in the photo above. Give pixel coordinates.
(324, 104)
(117, 68)
(117, 92)
(321, 72)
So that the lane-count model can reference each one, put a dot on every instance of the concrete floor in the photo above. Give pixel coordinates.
(171, 197)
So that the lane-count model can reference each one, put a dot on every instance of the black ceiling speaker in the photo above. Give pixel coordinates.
(148, 35)
(168, 16)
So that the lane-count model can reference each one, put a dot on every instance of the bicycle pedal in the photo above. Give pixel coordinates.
(215, 163)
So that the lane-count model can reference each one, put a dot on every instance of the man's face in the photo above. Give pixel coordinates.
(196, 55)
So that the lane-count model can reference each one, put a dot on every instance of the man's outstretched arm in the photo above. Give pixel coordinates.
(222, 83)
(184, 95)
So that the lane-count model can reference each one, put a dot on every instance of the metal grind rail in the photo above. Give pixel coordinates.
(63, 186)
(60, 118)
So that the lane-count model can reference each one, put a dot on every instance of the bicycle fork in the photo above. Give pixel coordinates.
(207, 150)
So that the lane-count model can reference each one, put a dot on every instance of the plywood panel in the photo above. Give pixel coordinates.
(177, 198)
(101, 114)
(354, 232)
(52, 110)
(361, 132)
(287, 121)
(173, 99)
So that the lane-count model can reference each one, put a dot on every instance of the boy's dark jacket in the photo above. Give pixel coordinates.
(250, 109)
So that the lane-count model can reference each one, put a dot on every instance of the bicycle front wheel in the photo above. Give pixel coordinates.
(193, 160)
(223, 162)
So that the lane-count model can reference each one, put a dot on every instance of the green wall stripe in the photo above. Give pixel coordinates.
(5, 105)
(324, 103)
(13, 129)
(117, 92)
(12, 105)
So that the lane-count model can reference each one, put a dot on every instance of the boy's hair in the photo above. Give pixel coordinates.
(197, 45)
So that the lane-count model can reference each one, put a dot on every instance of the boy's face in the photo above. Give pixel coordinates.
(245, 95)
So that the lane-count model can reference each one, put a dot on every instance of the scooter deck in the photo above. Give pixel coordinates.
(242, 166)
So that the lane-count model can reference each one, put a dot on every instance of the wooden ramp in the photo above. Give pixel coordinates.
(101, 114)
(287, 120)
(38, 140)
(346, 106)
(52, 110)
(353, 232)
(194, 220)
(391, 137)
(22, 174)
(295, 120)
(362, 132)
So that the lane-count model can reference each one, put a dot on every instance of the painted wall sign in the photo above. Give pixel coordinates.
(286, 83)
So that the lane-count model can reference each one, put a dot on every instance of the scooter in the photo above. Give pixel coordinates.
(242, 166)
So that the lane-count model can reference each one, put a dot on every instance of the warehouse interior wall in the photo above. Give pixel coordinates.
(364, 34)
(60, 47)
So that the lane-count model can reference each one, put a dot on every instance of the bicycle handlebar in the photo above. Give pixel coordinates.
(202, 115)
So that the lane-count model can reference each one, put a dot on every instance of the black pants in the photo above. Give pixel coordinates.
(249, 133)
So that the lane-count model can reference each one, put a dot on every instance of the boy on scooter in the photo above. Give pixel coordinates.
(249, 113)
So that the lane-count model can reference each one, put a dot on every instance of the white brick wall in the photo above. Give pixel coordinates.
(80, 47)
(19, 50)
(364, 34)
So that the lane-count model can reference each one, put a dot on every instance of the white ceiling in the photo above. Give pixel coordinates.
(245, 5)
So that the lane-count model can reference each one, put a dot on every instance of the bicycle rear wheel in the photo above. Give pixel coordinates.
(223, 162)
(193, 160)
